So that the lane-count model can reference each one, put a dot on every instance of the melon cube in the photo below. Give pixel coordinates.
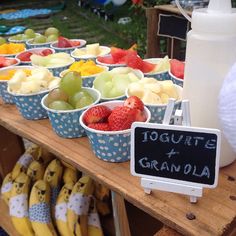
(168, 87)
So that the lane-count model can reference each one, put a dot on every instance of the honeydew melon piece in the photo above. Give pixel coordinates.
(133, 77)
(168, 87)
(39, 60)
(114, 93)
(107, 88)
(92, 49)
(151, 98)
(120, 70)
(163, 65)
(121, 83)
(100, 81)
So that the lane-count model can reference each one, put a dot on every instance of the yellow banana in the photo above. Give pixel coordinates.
(94, 225)
(70, 174)
(35, 170)
(61, 210)
(78, 206)
(18, 205)
(39, 209)
(6, 188)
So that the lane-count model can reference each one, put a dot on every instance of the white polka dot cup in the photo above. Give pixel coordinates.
(30, 44)
(111, 146)
(68, 50)
(163, 75)
(87, 80)
(158, 111)
(29, 105)
(65, 123)
(176, 80)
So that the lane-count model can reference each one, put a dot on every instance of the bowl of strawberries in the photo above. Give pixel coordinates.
(67, 45)
(108, 127)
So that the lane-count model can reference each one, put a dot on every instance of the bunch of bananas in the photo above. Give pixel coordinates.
(52, 198)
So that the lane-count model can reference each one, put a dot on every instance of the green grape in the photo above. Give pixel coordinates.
(60, 105)
(77, 96)
(39, 39)
(51, 30)
(2, 40)
(84, 101)
(52, 38)
(25, 37)
(56, 95)
(71, 83)
(30, 33)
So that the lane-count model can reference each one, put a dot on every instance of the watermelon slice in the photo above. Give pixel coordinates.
(177, 68)
(118, 54)
(147, 67)
(106, 60)
(4, 62)
(64, 42)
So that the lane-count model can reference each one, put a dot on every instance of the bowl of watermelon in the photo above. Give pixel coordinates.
(176, 72)
(24, 57)
(8, 61)
(67, 45)
(108, 127)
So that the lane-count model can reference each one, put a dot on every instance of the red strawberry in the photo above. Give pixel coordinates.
(134, 102)
(140, 116)
(100, 126)
(122, 118)
(46, 52)
(75, 43)
(133, 60)
(96, 114)
(63, 42)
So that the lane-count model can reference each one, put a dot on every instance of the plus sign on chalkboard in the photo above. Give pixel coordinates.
(173, 26)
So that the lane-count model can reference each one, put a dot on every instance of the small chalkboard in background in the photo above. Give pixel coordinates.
(177, 155)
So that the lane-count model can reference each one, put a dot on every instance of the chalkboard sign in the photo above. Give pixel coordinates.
(177, 154)
(173, 26)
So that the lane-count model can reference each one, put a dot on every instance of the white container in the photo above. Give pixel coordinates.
(210, 54)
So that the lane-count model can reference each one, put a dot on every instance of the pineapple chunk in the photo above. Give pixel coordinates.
(164, 98)
(151, 98)
(136, 89)
(168, 87)
(154, 87)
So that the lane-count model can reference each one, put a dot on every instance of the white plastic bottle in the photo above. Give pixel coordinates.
(210, 53)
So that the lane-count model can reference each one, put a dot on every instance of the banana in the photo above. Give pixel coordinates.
(53, 175)
(35, 170)
(39, 209)
(6, 188)
(18, 205)
(61, 210)
(70, 175)
(31, 153)
(78, 206)
(94, 225)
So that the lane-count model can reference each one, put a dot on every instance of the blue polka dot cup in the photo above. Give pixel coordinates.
(56, 70)
(68, 50)
(176, 80)
(65, 123)
(87, 80)
(163, 75)
(111, 146)
(29, 105)
(158, 110)
(104, 50)
(110, 66)
(30, 44)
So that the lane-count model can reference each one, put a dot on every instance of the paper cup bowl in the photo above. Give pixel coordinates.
(68, 50)
(176, 80)
(87, 80)
(111, 146)
(32, 50)
(29, 105)
(30, 44)
(19, 41)
(158, 110)
(106, 51)
(66, 123)
(58, 69)
(164, 75)
(110, 66)
(4, 94)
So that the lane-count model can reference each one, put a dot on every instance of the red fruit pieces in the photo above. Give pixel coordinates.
(75, 43)
(96, 114)
(122, 118)
(147, 67)
(134, 102)
(106, 60)
(177, 68)
(64, 42)
(118, 54)
(133, 60)
(4, 62)
(140, 116)
(25, 56)
(46, 52)
(100, 126)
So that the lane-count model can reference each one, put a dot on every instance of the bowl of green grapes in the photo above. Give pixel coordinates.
(66, 103)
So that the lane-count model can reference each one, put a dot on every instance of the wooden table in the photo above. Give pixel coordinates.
(215, 212)
(153, 39)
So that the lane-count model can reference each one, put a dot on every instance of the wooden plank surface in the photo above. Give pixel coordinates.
(215, 212)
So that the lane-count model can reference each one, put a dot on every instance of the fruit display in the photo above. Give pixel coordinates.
(153, 92)
(51, 198)
(52, 60)
(11, 48)
(161, 65)
(28, 34)
(70, 94)
(8, 74)
(112, 84)
(120, 118)
(5, 62)
(25, 56)
(31, 81)
(68, 43)
(177, 68)
(91, 50)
